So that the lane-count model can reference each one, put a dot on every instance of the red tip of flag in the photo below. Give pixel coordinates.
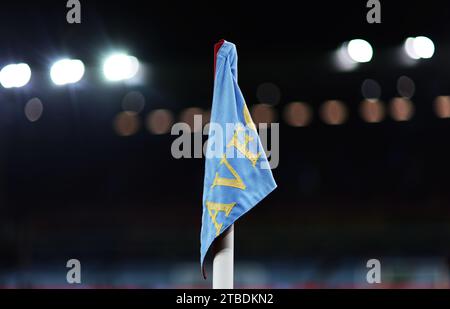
(217, 46)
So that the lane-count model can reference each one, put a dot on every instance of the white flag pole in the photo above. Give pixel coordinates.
(223, 268)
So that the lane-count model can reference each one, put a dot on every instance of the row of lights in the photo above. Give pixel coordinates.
(295, 114)
(116, 67)
(351, 53)
(119, 67)
(335, 112)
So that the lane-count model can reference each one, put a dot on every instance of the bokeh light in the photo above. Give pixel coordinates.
(360, 50)
(442, 106)
(424, 47)
(333, 112)
(133, 102)
(15, 75)
(409, 48)
(350, 54)
(406, 87)
(187, 116)
(297, 114)
(120, 67)
(159, 121)
(263, 113)
(33, 109)
(419, 47)
(372, 111)
(67, 71)
(126, 124)
(370, 89)
(401, 109)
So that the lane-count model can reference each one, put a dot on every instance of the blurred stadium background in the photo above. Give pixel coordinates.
(86, 170)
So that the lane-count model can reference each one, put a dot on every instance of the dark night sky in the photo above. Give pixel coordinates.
(71, 167)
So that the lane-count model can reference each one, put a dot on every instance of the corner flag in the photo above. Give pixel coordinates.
(237, 172)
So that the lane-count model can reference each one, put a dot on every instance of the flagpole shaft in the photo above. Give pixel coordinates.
(223, 268)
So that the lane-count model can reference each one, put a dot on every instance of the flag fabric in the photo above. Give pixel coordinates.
(237, 173)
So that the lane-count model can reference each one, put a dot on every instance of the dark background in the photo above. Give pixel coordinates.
(70, 187)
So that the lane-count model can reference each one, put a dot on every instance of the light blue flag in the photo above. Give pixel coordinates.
(237, 173)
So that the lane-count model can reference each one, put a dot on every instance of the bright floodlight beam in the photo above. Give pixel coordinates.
(352, 53)
(360, 51)
(120, 67)
(409, 49)
(420, 47)
(15, 75)
(424, 47)
(67, 71)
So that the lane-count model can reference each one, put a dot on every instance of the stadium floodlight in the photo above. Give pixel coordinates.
(409, 49)
(120, 67)
(15, 75)
(424, 47)
(350, 54)
(360, 50)
(420, 47)
(67, 71)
